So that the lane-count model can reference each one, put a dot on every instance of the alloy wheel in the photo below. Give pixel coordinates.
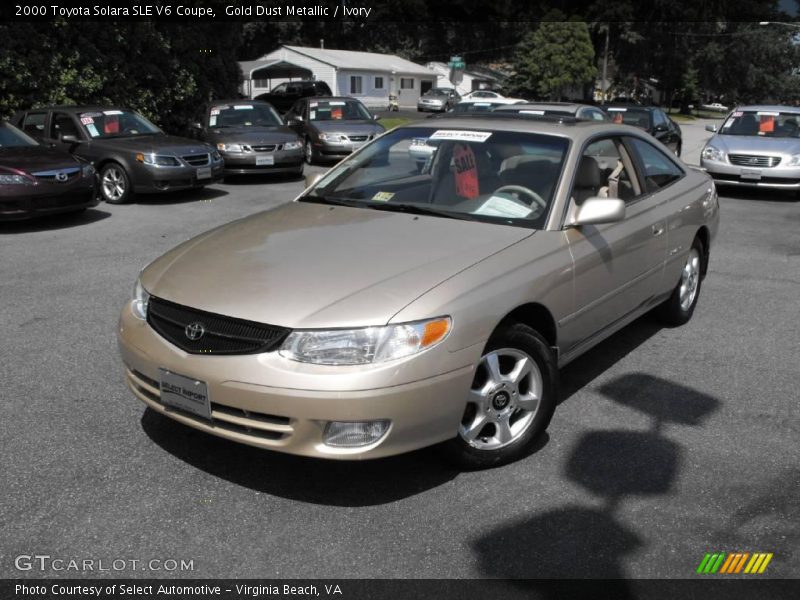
(113, 184)
(503, 400)
(690, 279)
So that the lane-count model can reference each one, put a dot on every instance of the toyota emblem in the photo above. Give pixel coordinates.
(61, 177)
(194, 331)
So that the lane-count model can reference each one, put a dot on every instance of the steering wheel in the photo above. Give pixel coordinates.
(529, 193)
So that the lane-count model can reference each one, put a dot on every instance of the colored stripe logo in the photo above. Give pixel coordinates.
(734, 563)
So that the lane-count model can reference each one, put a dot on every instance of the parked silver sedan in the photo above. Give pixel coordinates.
(390, 308)
(757, 146)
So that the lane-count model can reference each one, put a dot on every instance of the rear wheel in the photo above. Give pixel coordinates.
(679, 307)
(510, 402)
(115, 186)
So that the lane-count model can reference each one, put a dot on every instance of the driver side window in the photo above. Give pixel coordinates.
(62, 124)
(605, 171)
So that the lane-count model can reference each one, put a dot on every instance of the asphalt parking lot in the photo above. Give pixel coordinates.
(667, 443)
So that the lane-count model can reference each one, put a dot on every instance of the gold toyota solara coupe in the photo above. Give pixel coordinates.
(399, 303)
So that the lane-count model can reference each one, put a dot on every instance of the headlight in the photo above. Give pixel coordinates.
(330, 137)
(215, 155)
(88, 171)
(366, 345)
(794, 161)
(230, 147)
(6, 179)
(160, 160)
(292, 145)
(140, 301)
(713, 153)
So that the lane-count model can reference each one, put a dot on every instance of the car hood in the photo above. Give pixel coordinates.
(36, 158)
(152, 143)
(749, 144)
(251, 135)
(359, 127)
(305, 265)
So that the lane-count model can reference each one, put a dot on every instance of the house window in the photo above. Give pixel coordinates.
(355, 84)
(261, 83)
(379, 83)
(406, 83)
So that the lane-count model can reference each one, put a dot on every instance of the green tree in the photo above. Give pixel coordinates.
(556, 57)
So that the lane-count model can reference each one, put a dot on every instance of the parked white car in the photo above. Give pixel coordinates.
(715, 106)
(491, 96)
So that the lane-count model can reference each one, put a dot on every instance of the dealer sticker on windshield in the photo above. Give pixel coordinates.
(461, 136)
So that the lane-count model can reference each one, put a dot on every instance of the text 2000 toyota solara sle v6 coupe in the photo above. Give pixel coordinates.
(391, 307)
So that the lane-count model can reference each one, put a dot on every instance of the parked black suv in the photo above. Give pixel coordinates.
(283, 96)
(650, 118)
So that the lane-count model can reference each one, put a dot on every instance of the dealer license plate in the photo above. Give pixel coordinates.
(204, 173)
(185, 393)
(262, 161)
(750, 174)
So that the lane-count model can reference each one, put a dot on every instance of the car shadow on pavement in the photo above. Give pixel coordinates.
(54, 222)
(266, 178)
(181, 197)
(592, 541)
(602, 357)
(756, 194)
(315, 481)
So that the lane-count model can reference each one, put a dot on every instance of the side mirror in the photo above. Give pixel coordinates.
(596, 211)
(313, 178)
(711, 128)
(295, 119)
(376, 117)
(197, 125)
(69, 139)
(660, 128)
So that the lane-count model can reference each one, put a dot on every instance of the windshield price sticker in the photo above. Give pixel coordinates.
(532, 112)
(243, 107)
(87, 120)
(383, 196)
(112, 112)
(738, 113)
(461, 136)
(466, 172)
(767, 113)
(216, 109)
(92, 130)
(336, 103)
(616, 109)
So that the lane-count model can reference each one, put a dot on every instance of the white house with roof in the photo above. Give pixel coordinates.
(473, 79)
(368, 76)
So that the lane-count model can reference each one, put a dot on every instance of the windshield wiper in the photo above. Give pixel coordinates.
(333, 200)
(416, 209)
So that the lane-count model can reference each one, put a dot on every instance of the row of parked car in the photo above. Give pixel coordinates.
(66, 158)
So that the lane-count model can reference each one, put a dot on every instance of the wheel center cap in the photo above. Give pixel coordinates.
(500, 400)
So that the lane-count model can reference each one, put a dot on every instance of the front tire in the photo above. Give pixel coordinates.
(115, 185)
(679, 307)
(309, 153)
(510, 402)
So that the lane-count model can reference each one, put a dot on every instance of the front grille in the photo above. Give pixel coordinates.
(753, 160)
(197, 160)
(358, 138)
(222, 334)
(266, 148)
(72, 174)
(227, 418)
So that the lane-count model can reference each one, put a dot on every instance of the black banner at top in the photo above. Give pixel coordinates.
(366, 11)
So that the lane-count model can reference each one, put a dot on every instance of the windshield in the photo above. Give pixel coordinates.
(502, 177)
(630, 116)
(771, 124)
(116, 123)
(437, 92)
(337, 110)
(11, 137)
(243, 115)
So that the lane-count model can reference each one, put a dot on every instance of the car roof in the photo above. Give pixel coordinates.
(572, 107)
(770, 108)
(240, 101)
(78, 108)
(572, 128)
(329, 98)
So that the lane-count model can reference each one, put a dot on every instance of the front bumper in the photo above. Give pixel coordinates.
(251, 402)
(248, 163)
(339, 149)
(786, 178)
(423, 106)
(149, 179)
(27, 204)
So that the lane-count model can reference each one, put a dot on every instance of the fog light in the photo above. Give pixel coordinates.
(343, 434)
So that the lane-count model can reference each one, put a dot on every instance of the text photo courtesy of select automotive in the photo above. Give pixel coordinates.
(461, 308)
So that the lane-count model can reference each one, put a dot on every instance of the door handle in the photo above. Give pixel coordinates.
(657, 230)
